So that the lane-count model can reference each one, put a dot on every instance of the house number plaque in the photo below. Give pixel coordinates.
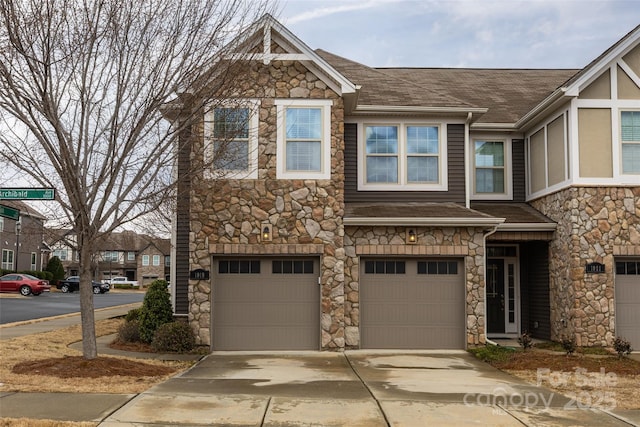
(199, 274)
(594, 267)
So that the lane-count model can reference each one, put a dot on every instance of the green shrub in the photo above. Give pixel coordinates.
(622, 347)
(175, 337)
(525, 341)
(156, 310)
(39, 274)
(129, 331)
(492, 353)
(55, 267)
(569, 345)
(133, 314)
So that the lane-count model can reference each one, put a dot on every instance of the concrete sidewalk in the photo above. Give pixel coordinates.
(355, 388)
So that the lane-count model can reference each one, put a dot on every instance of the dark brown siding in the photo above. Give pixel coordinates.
(534, 284)
(517, 152)
(182, 226)
(455, 153)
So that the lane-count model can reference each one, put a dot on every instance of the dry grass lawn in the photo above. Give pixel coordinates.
(605, 381)
(45, 363)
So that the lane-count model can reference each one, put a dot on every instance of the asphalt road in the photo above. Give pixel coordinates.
(19, 308)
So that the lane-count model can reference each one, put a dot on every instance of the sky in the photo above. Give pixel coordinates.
(462, 33)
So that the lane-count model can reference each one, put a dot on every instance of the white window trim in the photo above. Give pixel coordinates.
(402, 185)
(145, 260)
(154, 262)
(325, 149)
(253, 105)
(508, 171)
(59, 253)
(34, 261)
(8, 265)
(621, 142)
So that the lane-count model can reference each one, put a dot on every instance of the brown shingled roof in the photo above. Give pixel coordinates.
(411, 210)
(514, 213)
(508, 94)
(381, 88)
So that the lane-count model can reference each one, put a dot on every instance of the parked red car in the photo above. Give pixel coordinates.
(26, 284)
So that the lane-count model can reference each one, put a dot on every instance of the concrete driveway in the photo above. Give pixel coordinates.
(355, 388)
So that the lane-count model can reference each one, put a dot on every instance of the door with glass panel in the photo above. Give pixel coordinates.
(502, 290)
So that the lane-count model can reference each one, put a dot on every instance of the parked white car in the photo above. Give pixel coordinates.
(121, 280)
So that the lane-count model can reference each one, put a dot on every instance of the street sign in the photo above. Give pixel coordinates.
(10, 213)
(27, 193)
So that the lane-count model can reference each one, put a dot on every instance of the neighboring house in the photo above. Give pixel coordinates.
(136, 256)
(22, 242)
(411, 208)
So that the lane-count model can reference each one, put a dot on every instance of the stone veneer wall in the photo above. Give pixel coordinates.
(595, 224)
(306, 215)
(467, 243)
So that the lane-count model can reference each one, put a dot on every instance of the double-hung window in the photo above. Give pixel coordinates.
(231, 135)
(145, 260)
(61, 254)
(382, 154)
(422, 154)
(303, 139)
(630, 127)
(403, 156)
(111, 256)
(156, 260)
(7, 259)
(490, 169)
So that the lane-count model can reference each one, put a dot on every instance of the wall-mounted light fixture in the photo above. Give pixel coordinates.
(266, 233)
(411, 237)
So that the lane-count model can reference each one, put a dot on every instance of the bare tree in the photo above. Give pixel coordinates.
(82, 86)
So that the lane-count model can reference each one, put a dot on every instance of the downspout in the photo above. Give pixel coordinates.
(467, 162)
(484, 241)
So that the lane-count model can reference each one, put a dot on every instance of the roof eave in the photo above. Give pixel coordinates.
(528, 226)
(428, 222)
(494, 127)
(549, 103)
(391, 109)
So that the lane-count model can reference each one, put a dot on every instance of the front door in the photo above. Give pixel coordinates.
(495, 296)
(502, 287)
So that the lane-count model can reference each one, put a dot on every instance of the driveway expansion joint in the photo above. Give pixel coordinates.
(355, 372)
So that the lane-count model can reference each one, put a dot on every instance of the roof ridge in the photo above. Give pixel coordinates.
(455, 100)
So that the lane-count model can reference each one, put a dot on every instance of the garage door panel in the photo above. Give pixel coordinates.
(418, 337)
(627, 296)
(253, 339)
(267, 311)
(410, 310)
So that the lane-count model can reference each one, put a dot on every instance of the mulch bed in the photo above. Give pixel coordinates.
(78, 366)
(534, 359)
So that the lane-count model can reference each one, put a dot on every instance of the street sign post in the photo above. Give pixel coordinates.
(27, 193)
(11, 213)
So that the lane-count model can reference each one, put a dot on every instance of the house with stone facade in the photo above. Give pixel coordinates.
(348, 206)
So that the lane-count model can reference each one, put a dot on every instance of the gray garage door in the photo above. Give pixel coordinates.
(412, 304)
(266, 304)
(628, 301)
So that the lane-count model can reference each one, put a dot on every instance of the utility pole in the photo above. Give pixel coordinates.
(17, 257)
